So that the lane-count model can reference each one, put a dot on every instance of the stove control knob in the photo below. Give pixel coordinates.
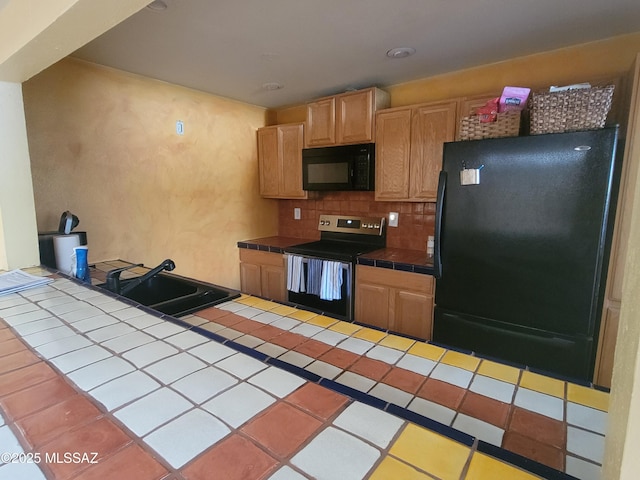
(365, 225)
(328, 222)
(377, 225)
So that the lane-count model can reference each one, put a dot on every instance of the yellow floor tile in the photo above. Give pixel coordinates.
(431, 452)
(370, 335)
(302, 315)
(588, 396)
(248, 300)
(265, 305)
(397, 342)
(322, 321)
(345, 328)
(483, 467)
(461, 360)
(283, 310)
(540, 383)
(390, 468)
(499, 372)
(426, 350)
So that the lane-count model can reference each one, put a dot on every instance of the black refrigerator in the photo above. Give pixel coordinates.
(523, 232)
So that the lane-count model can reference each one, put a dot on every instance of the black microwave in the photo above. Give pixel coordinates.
(345, 167)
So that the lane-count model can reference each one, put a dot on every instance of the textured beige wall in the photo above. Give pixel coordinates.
(103, 144)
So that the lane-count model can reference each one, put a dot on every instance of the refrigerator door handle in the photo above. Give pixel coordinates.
(437, 259)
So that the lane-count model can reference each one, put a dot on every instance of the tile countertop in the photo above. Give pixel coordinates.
(393, 258)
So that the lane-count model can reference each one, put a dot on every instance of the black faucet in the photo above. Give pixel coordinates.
(113, 276)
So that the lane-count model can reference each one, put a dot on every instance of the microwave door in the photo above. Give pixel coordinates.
(327, 175)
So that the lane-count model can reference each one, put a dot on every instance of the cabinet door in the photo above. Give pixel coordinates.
(321, 123)
(291, 138)
(355, 117)
(372, 304)
(412, 313)
(250, 279)
(607, 347)
(432, 125)
(393, 154)
(273, 282)
(269, 161)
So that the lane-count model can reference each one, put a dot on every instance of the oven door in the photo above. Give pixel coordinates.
(341, 308)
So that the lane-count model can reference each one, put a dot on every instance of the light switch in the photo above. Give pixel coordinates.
(296, 214)
(393, 219)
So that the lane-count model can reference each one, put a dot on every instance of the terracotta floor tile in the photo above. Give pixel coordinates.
(235, 458)
(229, 320)
(6, 334)
(266, 332)
(442, 393)
(212, 313)
(101, 436)
(317, 400)
(288, 340)
(538, 427)
(404, 379)
(370, 368)
(540, 452)
(10, 346)
(25, 377)
(47, 424)
(486, 409)
(32, 399)
(282, 429)
(17, 360)
(313, 348)
(247, 326)
(339, 357)
(130, 462)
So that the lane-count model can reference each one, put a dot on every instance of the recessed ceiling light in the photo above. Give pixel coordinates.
(401, 52)
(269, 86)
(157, 5)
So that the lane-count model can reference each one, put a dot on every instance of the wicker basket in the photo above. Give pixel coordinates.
(570, 110)
(506, 125)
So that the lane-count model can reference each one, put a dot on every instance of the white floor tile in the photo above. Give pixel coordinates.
(112, 331)
(62, 346)
(355, 345)
(46, 336)
(144, 321)
(212, 352)
(285, 323)
(100, 372)
(240, 365)
(492, 388)
(95, 322)
(186, 340)
(29, 316)
(385, 354)
(335, 454)
(81, 314)
(153, 410)
(125, 389)
(369, 423)
(356, 381)
(330, 337)
(149, 353)
(173, 368)
(587, 418)
(80, 358)
(453, 375)
(432, 410)
(391, 394)
(274, 351)
(113, 306)
(422, 366)
(164, 329)
(307, 329)
(200, 386)
(187, 436)
(324, 369)
(582, 469)
(21, 471)
(287, 473)
(585, 444)
(541, 403)
(232, 306)
(127, 313)
(267, 317)
(128, 341)
(37, 326)
(249, 312)
(8, 442)
(296, 358)
(277, 382)
(238, 404)
(479, 429)
(27, 307)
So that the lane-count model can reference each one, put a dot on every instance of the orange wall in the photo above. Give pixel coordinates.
(103, 145)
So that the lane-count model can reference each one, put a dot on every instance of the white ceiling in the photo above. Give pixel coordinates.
(316, 48)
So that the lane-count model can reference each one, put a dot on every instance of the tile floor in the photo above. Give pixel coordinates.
(255, 389)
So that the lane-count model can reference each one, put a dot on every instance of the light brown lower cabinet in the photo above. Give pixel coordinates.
(263, 274)
(606, 347)
(394, 300)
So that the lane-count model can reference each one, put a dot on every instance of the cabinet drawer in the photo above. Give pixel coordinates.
(262, 258)
(396, 278)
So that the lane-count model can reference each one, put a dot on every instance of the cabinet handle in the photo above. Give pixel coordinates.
(437, 258)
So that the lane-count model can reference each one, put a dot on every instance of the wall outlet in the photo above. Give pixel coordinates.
(296, 214)
(180, 127)
(393, 219)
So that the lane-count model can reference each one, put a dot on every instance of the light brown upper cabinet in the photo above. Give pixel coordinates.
(344, 119)
(409, 145)
(280, 161)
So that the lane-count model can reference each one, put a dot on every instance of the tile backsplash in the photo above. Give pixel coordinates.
(416, 220)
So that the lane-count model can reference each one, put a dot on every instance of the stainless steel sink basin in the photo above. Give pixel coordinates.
(175, 295)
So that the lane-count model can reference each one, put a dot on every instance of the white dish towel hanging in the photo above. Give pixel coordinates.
(295, 274)
(331, 288)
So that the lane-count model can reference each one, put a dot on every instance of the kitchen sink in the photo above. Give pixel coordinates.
(175, 295)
